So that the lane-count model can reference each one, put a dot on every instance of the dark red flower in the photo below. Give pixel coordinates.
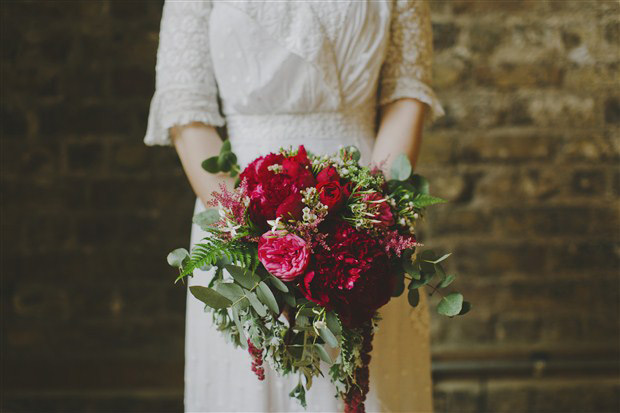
(331, 193)
(271, 180)
(382, 211)
(354, 276)
(328, 174)
(291, 207)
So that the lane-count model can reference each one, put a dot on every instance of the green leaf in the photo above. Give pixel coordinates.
(210, 297)
(266, 296)
(328, 337)
(289, 299)
(450, 305)
(447, 281)
(333, 323)
(177, 257)
(237, 320)
(424, 279)
(260, 309)
(206, 218)
(425, 200)
(245, 278)
(323, 354)
(401, 168)
(413, 297)
(354, 152)
(440, 259)
(466, 308)
(299, 393)
(409, 266)
(210, 165)
(420, 184)
(230, 290)
(277, 283)
(399, 286)
(223, 164)
(225, 146)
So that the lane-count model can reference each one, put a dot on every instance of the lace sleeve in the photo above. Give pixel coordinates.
(185, 88)
(407, 68)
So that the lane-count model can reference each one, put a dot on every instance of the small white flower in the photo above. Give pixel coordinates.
(231, 228)
(319, 324)
(416, 215)
(276, 224)
(221, 210)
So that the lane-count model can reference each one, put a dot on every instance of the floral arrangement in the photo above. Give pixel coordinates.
(304, 252)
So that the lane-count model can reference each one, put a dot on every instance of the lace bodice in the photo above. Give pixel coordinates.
(288, 58)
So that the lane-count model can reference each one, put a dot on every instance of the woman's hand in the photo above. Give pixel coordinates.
(194, 143)
(400, 131)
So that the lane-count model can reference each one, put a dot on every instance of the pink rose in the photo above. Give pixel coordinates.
(284, 255)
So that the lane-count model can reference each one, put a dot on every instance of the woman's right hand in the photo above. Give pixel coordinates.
(194, 143)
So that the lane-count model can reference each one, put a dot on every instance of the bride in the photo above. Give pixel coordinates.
(318, 73)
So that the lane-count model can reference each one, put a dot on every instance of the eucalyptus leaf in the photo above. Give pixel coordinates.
(289, 299)
(440, 259)
(409, 266)
(428, 268)
(450, 305)
(230, 290)
(245, 278)
(277, 283)
(401, 168)
(447, 281)
(413, 297)
(333, 323)
(266, 296)
(211, 165)
(177, 257)
(206, 218)
(328, 337)
(323, 354)
(399, 286)
(307, 311)
(210, 297)
(237, 320)
(301, 321)
(466, 308)
(420, 184)
(419, 283)
(256, 304)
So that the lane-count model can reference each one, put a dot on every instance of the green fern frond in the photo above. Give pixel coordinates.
(211, 250)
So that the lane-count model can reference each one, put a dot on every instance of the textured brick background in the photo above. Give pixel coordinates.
(528, 154)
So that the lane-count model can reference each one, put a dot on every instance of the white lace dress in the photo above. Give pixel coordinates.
(291, 73)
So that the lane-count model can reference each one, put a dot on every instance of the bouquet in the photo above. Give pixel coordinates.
(304, 251)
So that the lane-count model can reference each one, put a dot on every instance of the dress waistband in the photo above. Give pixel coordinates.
(311, 125)
(319, 132)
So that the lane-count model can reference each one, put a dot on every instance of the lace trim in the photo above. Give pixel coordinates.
(406, 87)
(179, 107)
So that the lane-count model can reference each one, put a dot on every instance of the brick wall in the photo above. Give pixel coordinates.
(528, 154)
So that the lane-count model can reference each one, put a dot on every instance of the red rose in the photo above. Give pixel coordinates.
(273, 178)
(328, 174)
(353, 277)
(331, 194)
(291, 207)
